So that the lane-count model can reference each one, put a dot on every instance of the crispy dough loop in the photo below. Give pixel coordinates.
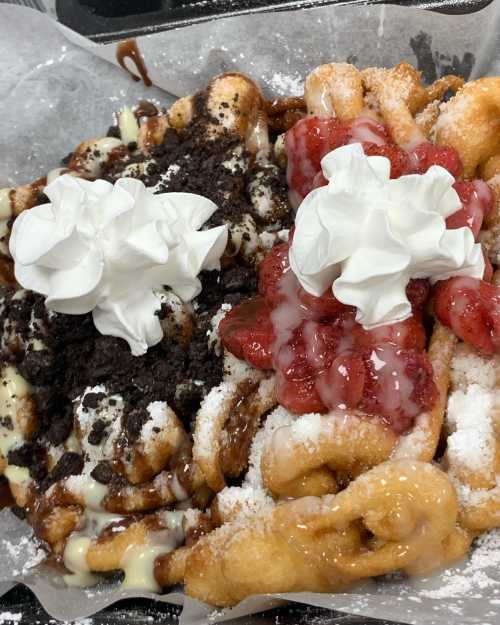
(313, 443)
(335, 89)
(421, 442)
(18, 407)
(400, 95)
(470, 123)
(321, 544)
(245, 401)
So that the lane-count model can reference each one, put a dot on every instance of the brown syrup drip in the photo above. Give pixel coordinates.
(128, 49)
(6, 499)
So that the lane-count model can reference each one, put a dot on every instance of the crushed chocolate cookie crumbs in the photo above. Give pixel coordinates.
(103, 473)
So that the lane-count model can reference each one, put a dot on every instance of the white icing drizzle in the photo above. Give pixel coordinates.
(97, 153)
(138, 560)
(13, 392)
(128, 125)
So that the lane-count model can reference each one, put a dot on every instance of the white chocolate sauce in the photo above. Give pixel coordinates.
(129, 128)
(138, 560)
(13, 392)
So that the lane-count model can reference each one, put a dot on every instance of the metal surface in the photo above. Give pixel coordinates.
(106, 20)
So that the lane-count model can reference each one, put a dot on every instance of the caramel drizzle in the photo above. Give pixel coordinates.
(128, 49)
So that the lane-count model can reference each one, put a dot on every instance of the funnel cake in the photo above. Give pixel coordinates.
(268, 430)
(95, 443)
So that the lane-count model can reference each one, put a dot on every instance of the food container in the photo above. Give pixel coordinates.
(45, 87)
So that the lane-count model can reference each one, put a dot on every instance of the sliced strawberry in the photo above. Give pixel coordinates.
(305, 145)
(471, 308)
(319, 181)
(298, 396)
(399, 385)
(295, 377)
(271, 270)
(407, 334)
(400, 162)
(341, 385)
(427, 154)
(417, 291)
(320, 341)
(477, 202)
(323, 308)
(247, 332)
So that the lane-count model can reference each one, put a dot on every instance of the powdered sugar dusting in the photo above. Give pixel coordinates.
(252, 496)
(476, 576)
(25, 554)
(307, 430)
(471, 445)
(213, 333)
(286, 85)
(10, 617)
(469, 367)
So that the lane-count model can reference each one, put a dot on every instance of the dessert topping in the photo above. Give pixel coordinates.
(106, 248)
(366, 235)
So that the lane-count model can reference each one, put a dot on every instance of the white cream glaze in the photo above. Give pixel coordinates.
(128, 125)
(13, 392)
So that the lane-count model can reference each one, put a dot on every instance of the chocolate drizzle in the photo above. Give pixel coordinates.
(129, 49)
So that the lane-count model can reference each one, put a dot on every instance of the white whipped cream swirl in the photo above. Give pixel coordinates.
(366, 235)
(110, 249)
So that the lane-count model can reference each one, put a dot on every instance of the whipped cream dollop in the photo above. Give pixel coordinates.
(111, 249)
(365, 235)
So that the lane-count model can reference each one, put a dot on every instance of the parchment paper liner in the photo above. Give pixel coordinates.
(56, 91)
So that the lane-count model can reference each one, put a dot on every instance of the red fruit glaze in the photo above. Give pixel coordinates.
(400, 162)
(271, 270)
(477, 201)
(399, 385)
(246, 331)
(427, 154)
(471, 308)
(325, 360)
(313, 137)
(305, 145)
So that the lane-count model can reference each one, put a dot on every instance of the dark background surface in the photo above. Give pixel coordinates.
(145, 612)
(104, 20)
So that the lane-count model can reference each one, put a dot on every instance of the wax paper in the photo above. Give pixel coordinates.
(57, 88)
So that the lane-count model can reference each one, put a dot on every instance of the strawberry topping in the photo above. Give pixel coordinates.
(471, 308)
(400, 162)
(247, 332)
(427, 154)
(477, 202)
(325, 360)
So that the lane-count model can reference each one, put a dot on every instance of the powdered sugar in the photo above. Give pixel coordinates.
(26, 552)
(286, 84)
(476, 576)
(468, 367)
(10, 617)
(160, 415)
(213, 334)
(471, 445)
(208, 418)
(307, 430)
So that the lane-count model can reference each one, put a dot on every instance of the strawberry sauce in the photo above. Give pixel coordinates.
(322, 357)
